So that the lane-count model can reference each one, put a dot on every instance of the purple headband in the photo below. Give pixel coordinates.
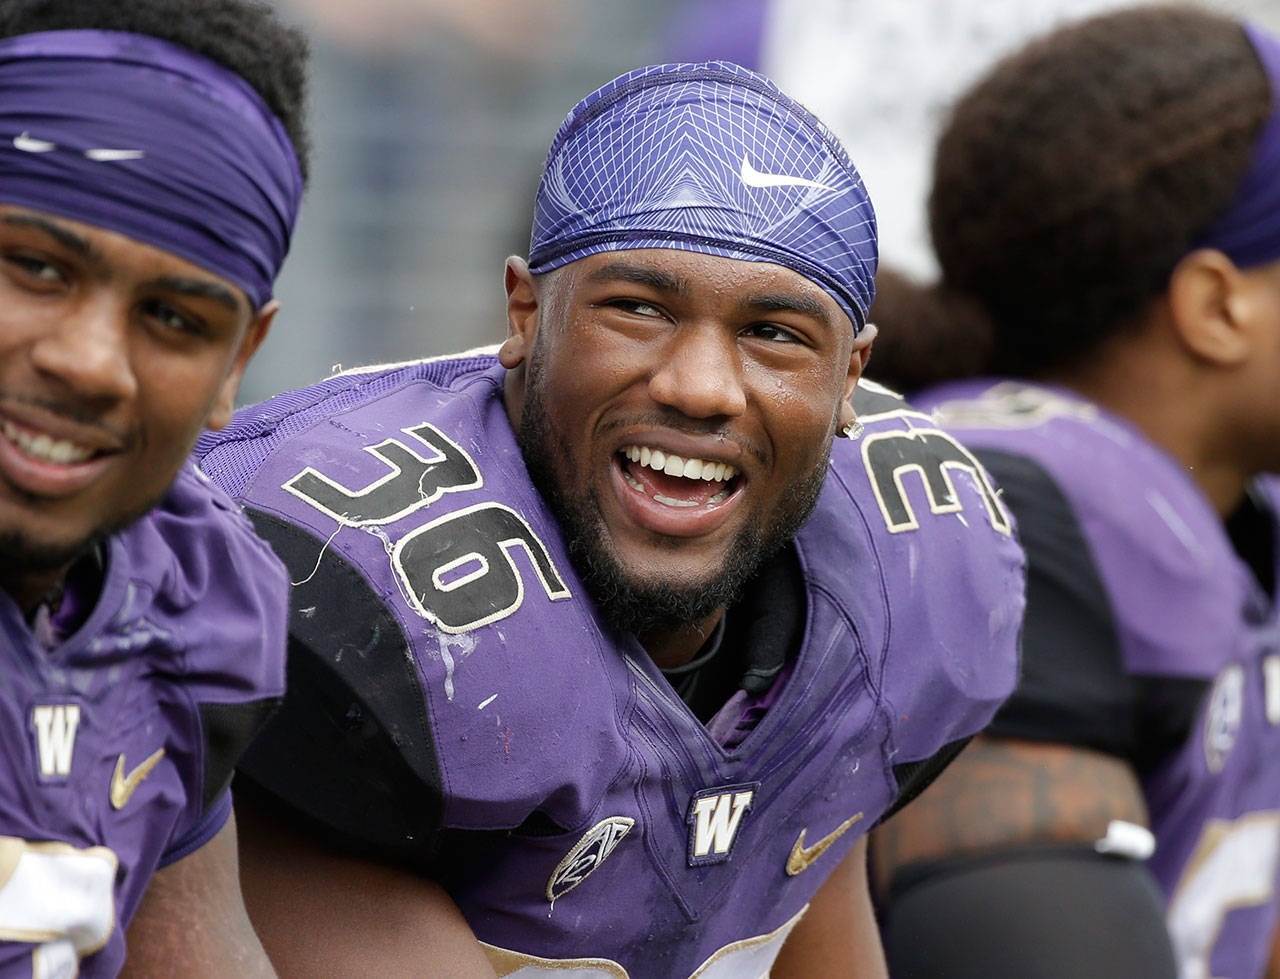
(708, 158)
(146, 138)
(1248, 231)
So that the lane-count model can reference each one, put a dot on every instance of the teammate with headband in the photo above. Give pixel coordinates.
(1110, 196)
(605, 650)
(149, 183)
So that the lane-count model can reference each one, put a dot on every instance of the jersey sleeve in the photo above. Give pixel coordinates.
(210, 823)
(945, 652)
(349, 750)
(913, 777)
(1074, 686)
(219, 599)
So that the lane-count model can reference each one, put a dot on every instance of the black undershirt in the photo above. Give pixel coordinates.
(1074, 686)
(751, 643)
(1252, 529)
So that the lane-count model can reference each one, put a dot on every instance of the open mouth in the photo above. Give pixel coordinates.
(676, 481)
(42, 448)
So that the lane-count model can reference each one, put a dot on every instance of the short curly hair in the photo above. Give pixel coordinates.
(1070, 180)
(244, 36)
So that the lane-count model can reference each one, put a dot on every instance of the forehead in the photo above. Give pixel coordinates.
(696, 275)
(111, 249)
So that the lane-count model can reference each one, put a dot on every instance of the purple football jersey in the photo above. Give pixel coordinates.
(1184, 607)
(119, 741)
(594, 824)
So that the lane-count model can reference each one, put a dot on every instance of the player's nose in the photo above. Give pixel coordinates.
(700, 373)
(87, 350)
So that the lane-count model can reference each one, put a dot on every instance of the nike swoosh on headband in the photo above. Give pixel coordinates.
(755, 178)
(27, 144)
(108, 155)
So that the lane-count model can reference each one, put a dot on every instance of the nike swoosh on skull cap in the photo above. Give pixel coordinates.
(755, 178)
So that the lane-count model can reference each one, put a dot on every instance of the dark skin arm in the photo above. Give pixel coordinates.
(1004, 792)
(837, 936)
(321, 913)
(192, 920)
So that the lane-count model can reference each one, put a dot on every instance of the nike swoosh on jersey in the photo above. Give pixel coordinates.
(123, 786)
(802, 857)
(755, 178)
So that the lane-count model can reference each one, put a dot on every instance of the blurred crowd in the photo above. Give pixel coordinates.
(431, 120)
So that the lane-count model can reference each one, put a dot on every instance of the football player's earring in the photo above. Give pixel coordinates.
(853, 430)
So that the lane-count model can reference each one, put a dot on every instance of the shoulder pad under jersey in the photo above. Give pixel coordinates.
(1174, 581)
(913, 540)
(203, 581)
(430, 578)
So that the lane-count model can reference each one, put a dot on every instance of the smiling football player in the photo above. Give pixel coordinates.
(149, 182)
(606, 651)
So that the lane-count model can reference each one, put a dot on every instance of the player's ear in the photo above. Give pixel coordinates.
(1212, 307)
(847, 420)
(224, 405)
(522, 313)
(858, 357)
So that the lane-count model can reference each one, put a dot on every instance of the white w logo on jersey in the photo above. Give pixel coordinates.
(55, 737)
(714, 818)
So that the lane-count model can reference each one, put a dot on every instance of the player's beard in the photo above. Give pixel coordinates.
(627, 602)
(21, 557)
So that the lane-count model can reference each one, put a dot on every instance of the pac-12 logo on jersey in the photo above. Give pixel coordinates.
(1224, 716)
(715, 815)
(55, 729)
(588, 854)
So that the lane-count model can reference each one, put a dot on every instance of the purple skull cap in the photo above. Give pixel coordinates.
(709, 158)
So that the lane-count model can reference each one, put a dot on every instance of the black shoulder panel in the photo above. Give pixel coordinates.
(913, 777)
(1074, 687)
(228, 730)
(350, 747)
(873, 399)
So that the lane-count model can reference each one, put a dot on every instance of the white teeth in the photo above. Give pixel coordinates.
(43, 448)
(674, 465)
(709, 470)
(673, 502)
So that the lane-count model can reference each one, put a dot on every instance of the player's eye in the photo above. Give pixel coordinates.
(169, 318)
(35, 268)
(636, 306)
(772, 332)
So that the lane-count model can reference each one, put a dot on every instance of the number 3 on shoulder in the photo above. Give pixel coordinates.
(935, 456)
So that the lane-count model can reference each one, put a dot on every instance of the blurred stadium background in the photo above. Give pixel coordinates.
(431, 119)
